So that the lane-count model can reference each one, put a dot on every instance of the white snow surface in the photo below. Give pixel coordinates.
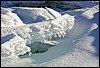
(9, 19)
(15, 46)
(69, 33)
(89, 13)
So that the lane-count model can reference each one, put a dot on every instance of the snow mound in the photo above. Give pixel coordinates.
(90, 12)
(14, 46)
(22, 31)
(9, 19)
(5, 10)
(33, 15)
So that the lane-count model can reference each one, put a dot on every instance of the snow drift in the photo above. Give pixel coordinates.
(37, 29)
(14, 46)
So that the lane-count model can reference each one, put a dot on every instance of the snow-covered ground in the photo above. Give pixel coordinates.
(65, 37)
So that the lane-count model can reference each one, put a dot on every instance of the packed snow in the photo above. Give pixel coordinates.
(9, 19)
(43, 37)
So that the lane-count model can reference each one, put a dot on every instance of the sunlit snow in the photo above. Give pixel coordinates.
(43, 37)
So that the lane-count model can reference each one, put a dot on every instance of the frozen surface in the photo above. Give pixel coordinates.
(33, 15)
(49, 30)
(15, 46)
(9, 19)
(65, 37)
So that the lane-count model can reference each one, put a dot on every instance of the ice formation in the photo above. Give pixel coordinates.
(25, 31)
(52, 29)
(14, 46)
(44, 32)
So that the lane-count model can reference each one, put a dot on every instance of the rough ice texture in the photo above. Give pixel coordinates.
(14, 46)
(50, 30)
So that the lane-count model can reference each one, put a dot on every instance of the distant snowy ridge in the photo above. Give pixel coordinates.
(26, 3)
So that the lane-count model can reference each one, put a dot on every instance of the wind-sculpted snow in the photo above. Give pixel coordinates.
(42, 37)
